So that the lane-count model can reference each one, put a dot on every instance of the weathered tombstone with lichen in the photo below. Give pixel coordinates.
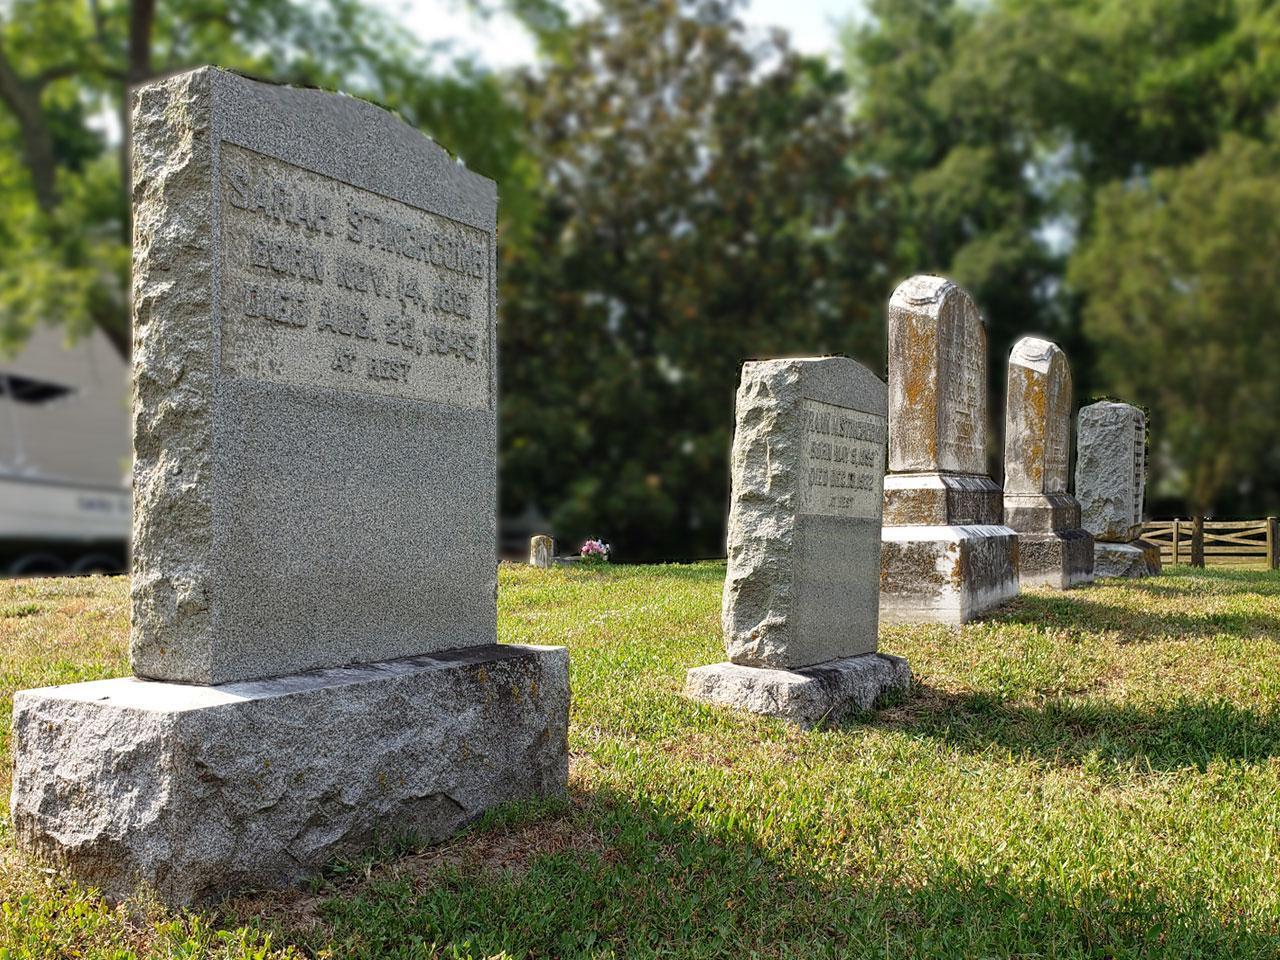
(1054, 550)
(1111, 450)
(946, 555)
(314, 569)
(801, 592)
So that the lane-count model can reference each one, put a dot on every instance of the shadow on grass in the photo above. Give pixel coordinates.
(1082, 609)
(1186, 734)
(1236, 579)
(638, 879)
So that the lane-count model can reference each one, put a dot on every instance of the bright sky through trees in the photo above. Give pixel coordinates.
(500, 41)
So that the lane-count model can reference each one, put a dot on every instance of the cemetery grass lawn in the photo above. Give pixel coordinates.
(1092, 774)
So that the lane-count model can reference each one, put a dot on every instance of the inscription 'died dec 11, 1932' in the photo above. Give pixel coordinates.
(843, 465)
(326, 284)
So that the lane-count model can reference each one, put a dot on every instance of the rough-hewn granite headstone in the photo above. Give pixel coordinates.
(1111, 441)
(542, 552)
(801, 591)
(946, 555)
(1054, 551)
(314, 385)
(313, 617)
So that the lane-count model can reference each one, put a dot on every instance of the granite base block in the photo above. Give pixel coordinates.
(1138, 558)
(805, 696)
(1058, 559)
(946, 574)
(198, 792)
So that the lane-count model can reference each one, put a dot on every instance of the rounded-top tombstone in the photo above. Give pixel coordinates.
(945, 554)
(937, 379)
(1053, 550)
(1038, 431)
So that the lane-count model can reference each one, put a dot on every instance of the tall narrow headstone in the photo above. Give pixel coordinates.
(801, 589)
(1111, 452)
(1054, 550)
(946, 555)
(314, 581)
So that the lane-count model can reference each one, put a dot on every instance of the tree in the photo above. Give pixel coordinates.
(698, 208)
(1179, 276)
(66, 67)
(955, 160)
(1005, 131)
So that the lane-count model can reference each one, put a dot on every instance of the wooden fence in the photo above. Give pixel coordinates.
(1216, 542)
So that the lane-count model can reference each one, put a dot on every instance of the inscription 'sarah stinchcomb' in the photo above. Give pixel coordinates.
(313, 629)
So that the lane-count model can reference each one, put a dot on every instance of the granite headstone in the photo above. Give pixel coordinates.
(314, 580)
(1054, 551)
(799, 611)
(946, 555)
(1111, 442)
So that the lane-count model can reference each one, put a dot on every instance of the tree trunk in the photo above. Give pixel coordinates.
(137, 70)
(23, 99)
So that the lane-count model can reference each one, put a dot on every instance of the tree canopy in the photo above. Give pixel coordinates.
(1017, 137)
(698, 207)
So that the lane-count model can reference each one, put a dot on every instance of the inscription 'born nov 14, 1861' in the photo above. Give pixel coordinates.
(843, 465)
(326, 284)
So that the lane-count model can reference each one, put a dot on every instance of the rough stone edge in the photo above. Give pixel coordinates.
(761, 533)
(808, 696)
(173, 377)
(1130, 560)
(135, 748)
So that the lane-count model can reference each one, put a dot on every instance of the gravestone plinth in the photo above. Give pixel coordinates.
(1054, 551)
(1111, 442)
(799, 611)
(946, 555)
(313, 629)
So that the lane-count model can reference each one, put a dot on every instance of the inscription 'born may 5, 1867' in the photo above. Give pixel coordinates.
(325, 284)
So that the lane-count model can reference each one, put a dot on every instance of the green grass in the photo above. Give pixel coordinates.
(1091, 774)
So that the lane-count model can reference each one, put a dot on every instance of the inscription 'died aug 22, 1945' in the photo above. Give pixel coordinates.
(843, 467)
(326, 284)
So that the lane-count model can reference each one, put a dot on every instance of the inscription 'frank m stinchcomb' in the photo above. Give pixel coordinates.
(326, 284)
(843, 465)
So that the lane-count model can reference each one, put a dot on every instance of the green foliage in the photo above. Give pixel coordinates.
(677, 196)
(64, 69)
(1008, 131)
(1084, 775)
(1181, 287)
(698, 208)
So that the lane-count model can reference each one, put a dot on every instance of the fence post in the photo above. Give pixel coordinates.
(1177, 542)
(1197, 541)
(1273, 549)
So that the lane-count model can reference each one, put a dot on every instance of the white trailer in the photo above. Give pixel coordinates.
(64, 457)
